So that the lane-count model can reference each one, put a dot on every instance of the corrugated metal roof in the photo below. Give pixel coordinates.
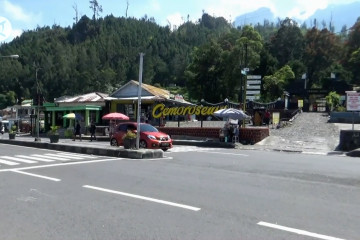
(155, 90)
(89, 97)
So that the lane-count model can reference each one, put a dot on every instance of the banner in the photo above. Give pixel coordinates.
(352, 101)
(275, 118)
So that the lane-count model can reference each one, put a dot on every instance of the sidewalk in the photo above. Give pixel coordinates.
(103, 147)
(308, 133)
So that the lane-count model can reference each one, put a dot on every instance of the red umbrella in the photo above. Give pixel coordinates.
(115, 116)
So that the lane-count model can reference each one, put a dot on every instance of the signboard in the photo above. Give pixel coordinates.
(253, 77)
(160, 110)
(353, 101)
(275, 118)
(252, 92)
(257, 82)
(300, 103)
(254, 87)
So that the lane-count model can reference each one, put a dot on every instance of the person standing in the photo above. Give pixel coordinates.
(92, 131)
(267, 118)
(77, 130)
(111, 128)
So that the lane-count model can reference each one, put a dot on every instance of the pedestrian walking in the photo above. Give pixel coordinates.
(92, 131)
(77, 130)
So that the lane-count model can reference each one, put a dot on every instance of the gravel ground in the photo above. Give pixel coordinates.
(308, 132)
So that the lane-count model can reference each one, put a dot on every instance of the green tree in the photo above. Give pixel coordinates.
(3, 102)
(96, 8)
(352, 58)
(203, 74)
(216, 66)
(274, 85)
(10, 98)
(288, 42)
(333, 100)
(323, 49)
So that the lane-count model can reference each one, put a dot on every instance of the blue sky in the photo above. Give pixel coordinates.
(26, 15)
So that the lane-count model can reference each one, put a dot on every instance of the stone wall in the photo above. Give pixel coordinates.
(248, 135)
(349, 140)
(253, 135)
(344, 117)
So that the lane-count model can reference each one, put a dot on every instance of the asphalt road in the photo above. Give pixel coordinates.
(193, 193)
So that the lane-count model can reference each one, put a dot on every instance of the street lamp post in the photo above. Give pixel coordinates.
(10, 56)
(139, 101)
(37, 138)
(245, 82)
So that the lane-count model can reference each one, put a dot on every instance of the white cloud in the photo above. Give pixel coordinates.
(303, 9)
(175, 19)
(16, 33)
(300, 9)
(155, 5)
(17, 13)
(229, 9)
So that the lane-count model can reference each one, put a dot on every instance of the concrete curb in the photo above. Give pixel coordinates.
(121, 153)
(212, 144)
(354, 153)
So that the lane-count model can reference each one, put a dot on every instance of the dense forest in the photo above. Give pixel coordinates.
(203, 59)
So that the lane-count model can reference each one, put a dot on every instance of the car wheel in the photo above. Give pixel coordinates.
(142, 144)
(113, 142)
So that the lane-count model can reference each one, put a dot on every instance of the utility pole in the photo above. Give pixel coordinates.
(37, 138)
(139, 101)
(245, 82)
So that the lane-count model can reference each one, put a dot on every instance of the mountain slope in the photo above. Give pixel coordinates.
(255, 17)
(339, 15)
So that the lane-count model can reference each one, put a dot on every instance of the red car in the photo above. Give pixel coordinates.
(150, 137)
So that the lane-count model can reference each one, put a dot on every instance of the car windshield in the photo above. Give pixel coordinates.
(147, 128)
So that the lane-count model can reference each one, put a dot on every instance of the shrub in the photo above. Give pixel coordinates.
(129, 135)
(53, 130)
(333, 100)
(68, 133)
(340, 109)
(12, 129)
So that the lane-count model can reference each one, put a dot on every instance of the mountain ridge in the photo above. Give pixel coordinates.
(334, 13)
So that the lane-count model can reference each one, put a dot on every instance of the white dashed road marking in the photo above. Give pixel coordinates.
(50, 157)
(144, 198)
(41, 159)
(298, 231)
(18, 159)
(8, 162)
(47, 157)
(37, 175)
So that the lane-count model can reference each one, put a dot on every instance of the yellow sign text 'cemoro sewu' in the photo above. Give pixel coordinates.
(161, 111)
